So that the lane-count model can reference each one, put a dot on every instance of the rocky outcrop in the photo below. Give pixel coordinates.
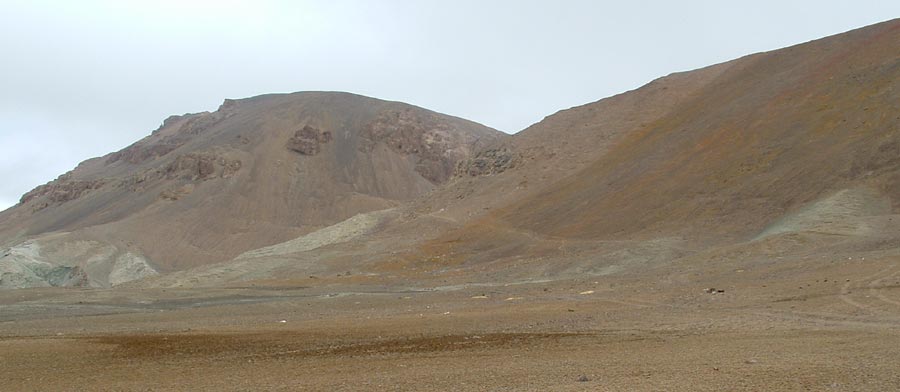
(137, 154)
(488, 162)
(59, 191)
(56, 262)
(157, 146)
(192, 167)
(308, 140)
(435, 144)
(201, 166)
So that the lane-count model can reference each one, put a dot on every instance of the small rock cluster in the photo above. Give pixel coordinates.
(436, 145)
(308, 140)
(154, 147)
(60, 190)
(488, 162)
(201, 166)
(192, 167)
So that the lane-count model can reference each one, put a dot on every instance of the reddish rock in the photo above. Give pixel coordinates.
(435, 143)
(488, 162)
(308, 140)
(201, 166)
(61, 190)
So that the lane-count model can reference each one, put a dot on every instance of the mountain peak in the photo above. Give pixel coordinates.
(289, 163)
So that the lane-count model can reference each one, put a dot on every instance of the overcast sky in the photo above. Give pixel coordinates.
(83, 78)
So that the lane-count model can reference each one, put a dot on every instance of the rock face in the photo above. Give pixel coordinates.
(57, 261)
(192, 167)
(59, 191)
(201, 166)
(308, 140)
(437, 147)
(488, 162)
(188, 127)
(206, 187)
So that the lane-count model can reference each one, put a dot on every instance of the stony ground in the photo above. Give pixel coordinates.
(817, 325)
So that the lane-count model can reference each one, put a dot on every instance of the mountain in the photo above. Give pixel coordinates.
(206, 187)
(734, 227)
(791, 148)
(714, 157)
(767, 135)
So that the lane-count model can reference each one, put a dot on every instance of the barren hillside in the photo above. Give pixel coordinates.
(734, 227)
(206, 187)
(692, 160)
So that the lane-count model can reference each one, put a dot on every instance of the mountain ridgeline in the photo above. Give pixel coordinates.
(796, 146)
(206, 187)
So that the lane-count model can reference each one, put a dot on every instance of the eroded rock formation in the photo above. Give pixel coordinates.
(308, 140)
(488, 162)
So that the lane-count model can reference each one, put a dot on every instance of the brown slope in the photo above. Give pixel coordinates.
(690, 167)
(773, 132)
(206, 187)
(507, 170)
(689, 161)
(560, 145)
